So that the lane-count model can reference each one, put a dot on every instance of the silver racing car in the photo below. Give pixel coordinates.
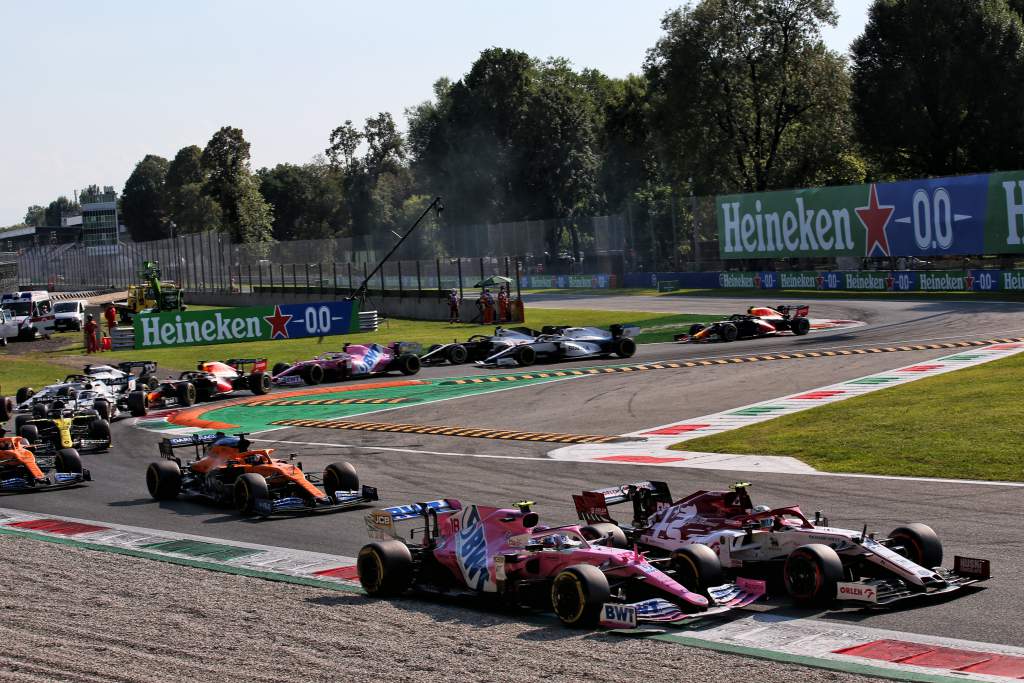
(523, 346)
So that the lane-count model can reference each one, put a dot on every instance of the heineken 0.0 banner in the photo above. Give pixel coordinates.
(258, 323)
(977, 214)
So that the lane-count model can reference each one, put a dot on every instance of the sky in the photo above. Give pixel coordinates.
(92, 87)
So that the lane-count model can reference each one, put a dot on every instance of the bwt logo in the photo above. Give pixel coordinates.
(616, 615)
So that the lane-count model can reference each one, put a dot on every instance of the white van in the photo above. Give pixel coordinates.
(70, 314)
(32, 311)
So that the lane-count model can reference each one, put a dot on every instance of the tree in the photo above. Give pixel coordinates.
(61, 206)
(344, 142)
(35, 216)
(142, 202)
(937, 86)
(746, 97)
(308, 200)
(186, 168)
(194, 210)
(255, 217)
(225, 160)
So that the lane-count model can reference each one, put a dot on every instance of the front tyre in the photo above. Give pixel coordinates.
(68, 461)
(138, 403)
(811, 574)
(163, 479)
(525, 355)
(385, 568)
(102, 408)
(728, 332)
(457, 354)
(251, 491)
(697, 568)
(340, 476)
(312, 375)
(7, 408)
(99, 430)
(259, 382)
(577, 594)
(186, 394)
(920, 544)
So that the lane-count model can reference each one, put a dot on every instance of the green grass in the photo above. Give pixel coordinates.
(29, 371)
(662, 327)
(964, 424)
(795, 294)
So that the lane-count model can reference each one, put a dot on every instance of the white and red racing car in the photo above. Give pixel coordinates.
(714, 533)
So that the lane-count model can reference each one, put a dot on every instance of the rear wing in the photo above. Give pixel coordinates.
(401, 348)
(258, 364)
(168, 444)
(647, 497)
(794, 310)
(380, 523)
(148, 366)
(624, 331)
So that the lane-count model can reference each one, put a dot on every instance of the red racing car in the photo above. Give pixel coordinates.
(211, 380)
(758, 321)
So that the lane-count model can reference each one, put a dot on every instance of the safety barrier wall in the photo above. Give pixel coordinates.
(861, 280)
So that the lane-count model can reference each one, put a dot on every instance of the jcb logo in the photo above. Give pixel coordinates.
(381, 519)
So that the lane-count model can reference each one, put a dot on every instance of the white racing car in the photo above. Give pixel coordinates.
(522, 346)
(101, 388)
(711, 533)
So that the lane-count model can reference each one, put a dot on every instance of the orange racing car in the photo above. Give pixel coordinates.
(22, 471)
(228, 471)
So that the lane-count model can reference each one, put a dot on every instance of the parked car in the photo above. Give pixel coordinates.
(69, 315)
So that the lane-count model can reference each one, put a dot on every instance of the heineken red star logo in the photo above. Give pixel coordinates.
(890, 282)
(278, 323)
(969, 282)
(875, 219)
(820, 280)
(757, 282)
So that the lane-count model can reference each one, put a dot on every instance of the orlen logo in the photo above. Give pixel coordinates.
(854, 591)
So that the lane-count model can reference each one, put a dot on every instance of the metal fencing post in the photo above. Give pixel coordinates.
(460, 277)
(307, 277)
(437, 264)
(295, 278)
(400, 291)
(419, 280)
(259, 270)
(348, 264)
(334, 278)
(320, 276)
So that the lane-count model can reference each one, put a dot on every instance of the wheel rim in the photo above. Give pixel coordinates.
(371, 570)
(688, 570)
(567, 598)
(803, 578)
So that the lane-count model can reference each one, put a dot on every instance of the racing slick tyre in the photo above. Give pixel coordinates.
(457, 354)
(23, 394)
(727, 332)
(697, 568)
(525, 355)
(99, 430)
(625, 347)
(6, 408)
(29, 432)
(39, 410)
(279, 368)
(163, 479)
(250, 489)
(312, 374)
(102, 408)
(919, 543)
(19, 420)
(408, 364)
(259, 382)
(186, 394)
(577, 594)
(385, 568)
(611, 534)
(68, 460)
(138, 403)
(811, 573)
(340, 476)
(800, 326)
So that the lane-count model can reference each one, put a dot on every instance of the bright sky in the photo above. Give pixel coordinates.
(92, 87)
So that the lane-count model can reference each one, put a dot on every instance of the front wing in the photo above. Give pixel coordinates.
(660, 611)
(54, 482)
(293, 505)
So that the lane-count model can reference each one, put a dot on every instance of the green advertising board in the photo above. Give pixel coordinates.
(257, 323)
(976, 214)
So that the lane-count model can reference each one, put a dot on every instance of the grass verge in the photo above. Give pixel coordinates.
(963, 425)
(28, 371)
(657, 327)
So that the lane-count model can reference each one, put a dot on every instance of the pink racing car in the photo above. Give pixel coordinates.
(507, 554)
(353, 361)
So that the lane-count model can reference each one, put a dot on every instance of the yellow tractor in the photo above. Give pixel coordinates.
(150, 296)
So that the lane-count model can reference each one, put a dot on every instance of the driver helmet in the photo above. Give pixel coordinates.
(750, 310)
(765, 523)
(554, 541)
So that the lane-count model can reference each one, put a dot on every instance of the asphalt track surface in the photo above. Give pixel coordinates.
(972, 519)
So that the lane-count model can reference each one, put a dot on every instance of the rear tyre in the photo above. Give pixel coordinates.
(186, 394)
(340, 476)
(408, 364)
(615, 536)
(577, 594)
(800, 326)
(811, 574)
(312, 374)
(39, 410)
(6, 408)
(20, 420)
(279, 368)
(385, 568)
(99, 429)
(102, 408)
(728, 332)
(30, 432)
(138, 403)
(697, 567)
(457, 354)
(259, 382)
(163, 479)
(250, 490)
(525, 355)
(920, 544)
(68, 460)
(23, 394)
(625, 347)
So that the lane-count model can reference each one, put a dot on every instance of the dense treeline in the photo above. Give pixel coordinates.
(736, 95)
